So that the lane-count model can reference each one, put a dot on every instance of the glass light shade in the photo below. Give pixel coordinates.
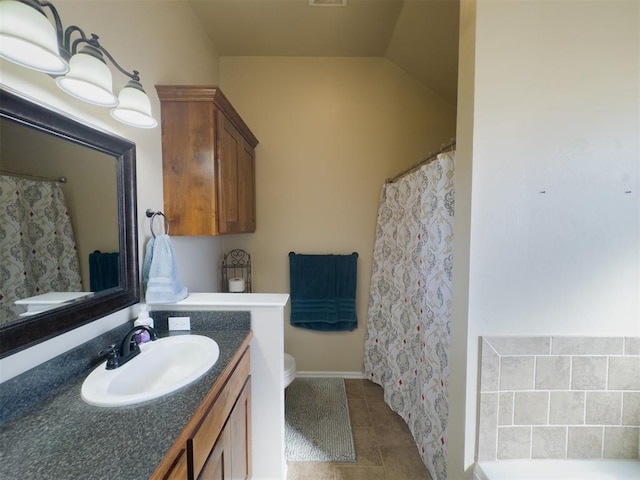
(89, 78)
(134, 107)
(29, 39)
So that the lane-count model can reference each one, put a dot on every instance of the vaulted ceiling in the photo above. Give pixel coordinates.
(419, 36)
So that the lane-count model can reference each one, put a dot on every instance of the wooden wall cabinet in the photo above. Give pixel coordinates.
(208, 161)
(216, 443)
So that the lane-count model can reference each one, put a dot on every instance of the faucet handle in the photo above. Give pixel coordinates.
(113, 356)
(134, 347)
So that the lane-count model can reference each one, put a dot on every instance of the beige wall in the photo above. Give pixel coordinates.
(331, 131)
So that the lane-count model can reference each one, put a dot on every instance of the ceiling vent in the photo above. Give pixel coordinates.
(327, 3)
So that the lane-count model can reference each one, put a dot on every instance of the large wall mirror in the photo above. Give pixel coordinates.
(68, 228)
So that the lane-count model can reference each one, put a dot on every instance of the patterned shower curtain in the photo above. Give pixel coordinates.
(407, 340)
(37, 245)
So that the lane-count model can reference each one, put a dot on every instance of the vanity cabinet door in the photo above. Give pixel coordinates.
(220, 418)
(239, 426)
(231, 454)
(208, 161)
(218, 466)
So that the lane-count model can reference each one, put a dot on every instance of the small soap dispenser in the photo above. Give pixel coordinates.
(143, 319)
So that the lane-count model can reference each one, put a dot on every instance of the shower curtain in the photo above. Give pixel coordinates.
(407, 339)
(37, 245)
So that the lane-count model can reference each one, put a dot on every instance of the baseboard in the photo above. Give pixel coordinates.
(331, 374)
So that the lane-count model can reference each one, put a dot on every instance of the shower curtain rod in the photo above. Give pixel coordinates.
(33, 177)
(429, 158)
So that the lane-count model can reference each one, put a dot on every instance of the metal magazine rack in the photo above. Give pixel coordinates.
(236, 264)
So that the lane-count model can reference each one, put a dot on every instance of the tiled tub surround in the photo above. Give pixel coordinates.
(61, 437)
(559, 398)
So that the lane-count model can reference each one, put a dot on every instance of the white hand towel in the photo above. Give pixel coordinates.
(160, 273)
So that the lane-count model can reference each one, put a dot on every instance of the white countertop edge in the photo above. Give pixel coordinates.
(227, 300)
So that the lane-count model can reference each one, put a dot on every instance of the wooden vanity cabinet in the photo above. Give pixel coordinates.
(208, 160)
(216, 443)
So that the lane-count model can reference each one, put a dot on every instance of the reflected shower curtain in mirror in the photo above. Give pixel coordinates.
(407, 338)
(36, 243)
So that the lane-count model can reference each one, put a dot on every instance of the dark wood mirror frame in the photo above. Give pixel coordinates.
(29, 331)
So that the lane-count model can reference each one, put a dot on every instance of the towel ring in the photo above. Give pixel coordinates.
(152, 215)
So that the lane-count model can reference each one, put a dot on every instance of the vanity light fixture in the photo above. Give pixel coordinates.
(28, 38)
(89, 78)
(134, 106)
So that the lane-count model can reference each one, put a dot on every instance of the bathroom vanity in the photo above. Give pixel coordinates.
(60, 436)
(202, 426)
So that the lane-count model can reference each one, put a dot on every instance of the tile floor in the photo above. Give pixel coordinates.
(385, 449)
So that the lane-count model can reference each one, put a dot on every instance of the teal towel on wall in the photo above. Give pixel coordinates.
(323, 291)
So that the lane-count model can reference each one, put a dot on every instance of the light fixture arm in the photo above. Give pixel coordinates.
(66, 46)
(71, 48)
(94, 41)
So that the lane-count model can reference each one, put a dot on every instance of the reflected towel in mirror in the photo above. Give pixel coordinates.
(104, 270)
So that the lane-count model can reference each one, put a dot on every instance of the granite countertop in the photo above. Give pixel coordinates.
(61, 437)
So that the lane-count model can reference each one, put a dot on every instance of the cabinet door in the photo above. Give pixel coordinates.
(200, 445)
(230, 458)
(188, 167)
(218, 465)
(236, 179)
(240, 435)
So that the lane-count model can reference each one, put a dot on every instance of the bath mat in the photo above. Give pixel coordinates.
(317, 423)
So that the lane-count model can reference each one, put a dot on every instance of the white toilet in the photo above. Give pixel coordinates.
(289, 369)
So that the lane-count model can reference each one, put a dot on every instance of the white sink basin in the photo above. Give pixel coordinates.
(161, 367)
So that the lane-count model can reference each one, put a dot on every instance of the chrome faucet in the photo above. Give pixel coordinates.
(119, 355)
